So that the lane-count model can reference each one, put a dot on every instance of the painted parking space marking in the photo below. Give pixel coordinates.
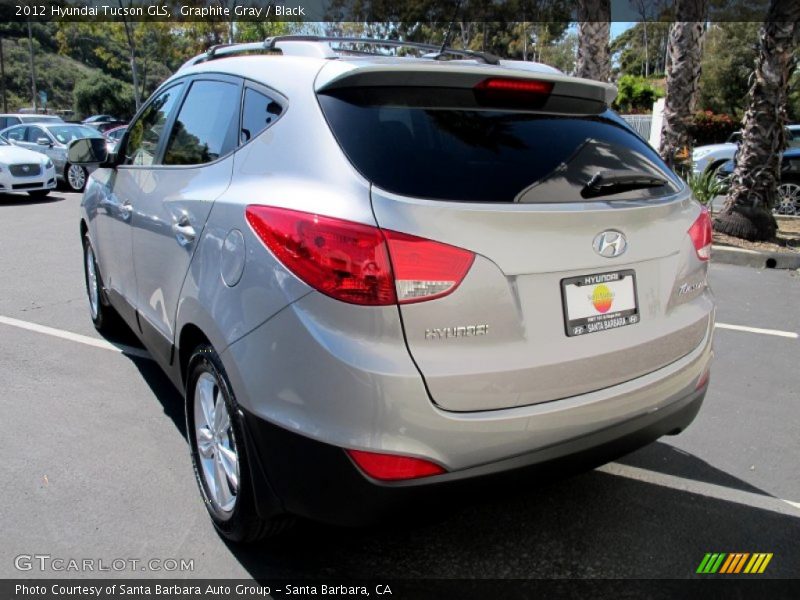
(775, 332)
(701, 488)
(76, 337)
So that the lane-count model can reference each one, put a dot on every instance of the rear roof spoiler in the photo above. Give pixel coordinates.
(454, 74)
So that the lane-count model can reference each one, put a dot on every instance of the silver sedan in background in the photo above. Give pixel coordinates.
(52, 140)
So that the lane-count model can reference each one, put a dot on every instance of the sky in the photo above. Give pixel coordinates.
(618, 27)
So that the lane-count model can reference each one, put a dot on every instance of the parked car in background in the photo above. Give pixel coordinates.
(52, 139)
(8, 120)
(99, 119)
(788, 202)
(103, 123)
(424, 272)
(712, 156)
(113, 136)
(23, 170)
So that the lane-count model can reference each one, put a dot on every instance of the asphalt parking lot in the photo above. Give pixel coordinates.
(95, 464)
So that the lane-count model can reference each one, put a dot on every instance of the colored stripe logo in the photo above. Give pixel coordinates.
(734, 563)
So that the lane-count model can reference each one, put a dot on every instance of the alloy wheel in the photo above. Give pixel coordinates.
(216, 445)
(91, 283)
(788, 201)
(76, 177)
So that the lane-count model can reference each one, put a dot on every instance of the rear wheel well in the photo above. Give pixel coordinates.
(84, 229)
(191, 337)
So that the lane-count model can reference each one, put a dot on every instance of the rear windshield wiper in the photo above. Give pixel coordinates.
(607, 183)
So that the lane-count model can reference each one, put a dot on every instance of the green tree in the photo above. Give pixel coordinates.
(633, 57)
(730, 51)
(156, 48)
(99, 93)
(635, 94)
(747, 211)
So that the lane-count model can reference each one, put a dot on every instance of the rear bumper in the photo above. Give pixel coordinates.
(361, 390)
(312, 479)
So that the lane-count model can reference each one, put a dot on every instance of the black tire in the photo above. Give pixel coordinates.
(241, 523)
(105, 319)
(75, 187)
(39, 193)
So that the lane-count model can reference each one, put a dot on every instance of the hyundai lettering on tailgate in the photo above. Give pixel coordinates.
(599, 302)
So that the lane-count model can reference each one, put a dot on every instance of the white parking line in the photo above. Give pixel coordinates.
(76, 337)
(701, 488)
(776, 332)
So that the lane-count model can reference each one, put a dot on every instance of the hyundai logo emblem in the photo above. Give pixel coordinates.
(610, 243)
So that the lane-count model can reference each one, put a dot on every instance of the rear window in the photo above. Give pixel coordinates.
(439, 144)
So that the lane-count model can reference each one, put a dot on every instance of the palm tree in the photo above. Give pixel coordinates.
(747, 211)
(684, 50)
(593, 36)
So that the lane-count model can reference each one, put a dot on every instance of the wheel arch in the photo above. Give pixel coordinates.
(714, 165)
(191, 337)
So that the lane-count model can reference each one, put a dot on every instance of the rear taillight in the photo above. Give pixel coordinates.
(391, 467)
(700, 232)
(424, 270)
(350, 261)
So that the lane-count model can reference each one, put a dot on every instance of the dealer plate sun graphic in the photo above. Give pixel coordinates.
(599, 302)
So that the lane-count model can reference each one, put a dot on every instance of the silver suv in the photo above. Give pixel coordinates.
(376, 276)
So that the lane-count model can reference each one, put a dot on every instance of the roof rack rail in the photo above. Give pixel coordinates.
(269, 45)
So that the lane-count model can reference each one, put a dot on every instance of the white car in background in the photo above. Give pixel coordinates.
(23, 170)
(713, 156)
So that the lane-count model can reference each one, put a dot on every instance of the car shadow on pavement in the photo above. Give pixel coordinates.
(586, 525)
(171, 399)
(21, 198)
(590, 525)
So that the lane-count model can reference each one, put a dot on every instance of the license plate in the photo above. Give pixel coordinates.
(599, 302)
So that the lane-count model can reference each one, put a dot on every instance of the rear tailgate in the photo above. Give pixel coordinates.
(507, 178)
(513, 292)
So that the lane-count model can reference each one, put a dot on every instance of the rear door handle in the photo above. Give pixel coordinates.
(183, 230)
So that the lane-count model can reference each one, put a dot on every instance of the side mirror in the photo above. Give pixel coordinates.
(87, 151)
(43, 141)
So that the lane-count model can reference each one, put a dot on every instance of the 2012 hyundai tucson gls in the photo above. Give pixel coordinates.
(373, 275)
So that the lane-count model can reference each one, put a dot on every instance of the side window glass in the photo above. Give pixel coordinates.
(202, 133)
(146, 131)
(34, 133)
(3, 123)
(258, 113)
(17, 134)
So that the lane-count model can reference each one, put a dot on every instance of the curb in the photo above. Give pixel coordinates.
(752, 258)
